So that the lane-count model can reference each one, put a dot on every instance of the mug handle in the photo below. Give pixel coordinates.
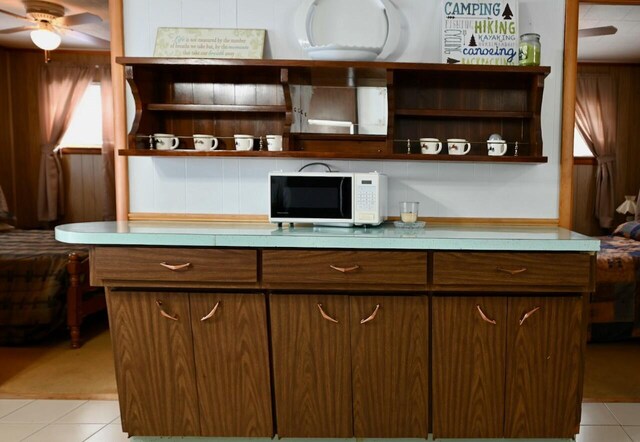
(503, 149)
(439, 148)
(215, 143)
(467, 148)
(174, 142)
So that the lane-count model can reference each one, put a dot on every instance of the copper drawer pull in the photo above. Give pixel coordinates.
(176, 267)
(484, 317)
(528, 314)
(373, 315)
(165, 314)
(345, 269)
(325, 316)
(512, 272)
(211, 313)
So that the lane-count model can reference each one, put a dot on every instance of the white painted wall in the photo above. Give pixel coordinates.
(230, 186)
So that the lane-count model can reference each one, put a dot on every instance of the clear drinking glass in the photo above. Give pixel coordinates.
(409, 211)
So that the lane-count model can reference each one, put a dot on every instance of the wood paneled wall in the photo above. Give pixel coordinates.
(628, 151)
(18, 87)
(84, 188)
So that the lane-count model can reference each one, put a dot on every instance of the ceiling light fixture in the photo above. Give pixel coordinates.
(45, 38)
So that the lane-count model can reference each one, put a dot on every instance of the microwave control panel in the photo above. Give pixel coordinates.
(370, 191)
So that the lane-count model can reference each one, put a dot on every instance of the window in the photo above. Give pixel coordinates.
(580, 148)
(85, 128)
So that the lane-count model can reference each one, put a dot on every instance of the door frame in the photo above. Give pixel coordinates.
(570, 72)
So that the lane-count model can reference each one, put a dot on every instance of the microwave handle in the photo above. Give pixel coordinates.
(340, 203)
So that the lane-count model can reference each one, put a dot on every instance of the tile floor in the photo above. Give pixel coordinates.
(99, 421)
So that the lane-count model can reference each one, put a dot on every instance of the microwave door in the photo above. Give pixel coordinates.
(307, 198)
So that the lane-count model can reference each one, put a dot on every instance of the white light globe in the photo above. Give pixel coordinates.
(45, 39)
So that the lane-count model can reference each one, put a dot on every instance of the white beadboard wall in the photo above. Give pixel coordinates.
(238, 186)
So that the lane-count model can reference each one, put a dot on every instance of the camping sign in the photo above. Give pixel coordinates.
(480, 32)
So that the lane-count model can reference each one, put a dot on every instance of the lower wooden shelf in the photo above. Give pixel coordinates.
(335, 155)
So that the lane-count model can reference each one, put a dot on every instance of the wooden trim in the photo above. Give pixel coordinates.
(570, 72)
(584, 161)
(613, 2)
(197, 217)
(148, 216)
(119, 109)
(80, 151)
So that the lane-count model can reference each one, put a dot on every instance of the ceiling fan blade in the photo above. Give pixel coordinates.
(18, 29)
(78, 19)
(98, 42)
(14, 15)
(595, 32)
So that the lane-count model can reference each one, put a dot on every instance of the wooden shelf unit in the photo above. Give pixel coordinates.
(227, 97)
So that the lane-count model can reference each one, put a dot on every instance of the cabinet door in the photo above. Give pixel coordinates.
(232, 364)
(390, 365)
(311, 365)
(544, 355)
(468, 366)
(155, 372)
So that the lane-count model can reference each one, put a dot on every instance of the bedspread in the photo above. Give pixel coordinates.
(33, 283)
(615, 306)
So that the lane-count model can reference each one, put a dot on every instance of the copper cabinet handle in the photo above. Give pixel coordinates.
(484, 317)
(175, 267)
(528, 314)
(325, 316)
(211, 313)
(345, 269)
(165, 314)
(373, 315)
(512, 272)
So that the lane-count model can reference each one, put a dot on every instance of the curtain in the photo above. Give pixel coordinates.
(108, 150)
(60, 89)
(596, 120)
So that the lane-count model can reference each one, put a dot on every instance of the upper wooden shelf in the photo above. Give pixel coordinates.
(215, 108)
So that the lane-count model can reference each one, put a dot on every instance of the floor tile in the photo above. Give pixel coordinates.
(633, 432)
(109, 433)
(41, 411)
(602, 433)
(17, 432)
(92, 412)
(597, 414)
(626, 414)
(64, 433)
(10, 405)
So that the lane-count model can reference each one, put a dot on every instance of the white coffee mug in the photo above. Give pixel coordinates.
(458, 146)
(166, 141)
(204, 142)
(243, 142)
(274, 142)
(430, 146)
(496, 147)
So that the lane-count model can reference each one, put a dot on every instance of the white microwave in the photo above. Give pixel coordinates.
(328, 198)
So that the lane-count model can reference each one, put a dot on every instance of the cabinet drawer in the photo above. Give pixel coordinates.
(174, 265)
(344, 267)
(500, 269)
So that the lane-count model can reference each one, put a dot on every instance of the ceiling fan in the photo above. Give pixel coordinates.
(598, 31)
(48, 21)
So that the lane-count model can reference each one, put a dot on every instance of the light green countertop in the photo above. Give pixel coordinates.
(432, 237)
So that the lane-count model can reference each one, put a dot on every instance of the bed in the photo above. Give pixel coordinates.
(43, 285)
(615, 305)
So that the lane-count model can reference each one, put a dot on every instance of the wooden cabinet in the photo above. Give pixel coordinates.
(226, 97)
(191, 364)
(349, 366)
(515, 369)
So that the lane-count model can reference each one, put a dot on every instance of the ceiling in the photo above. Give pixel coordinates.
(23, 40)
(622, 47)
